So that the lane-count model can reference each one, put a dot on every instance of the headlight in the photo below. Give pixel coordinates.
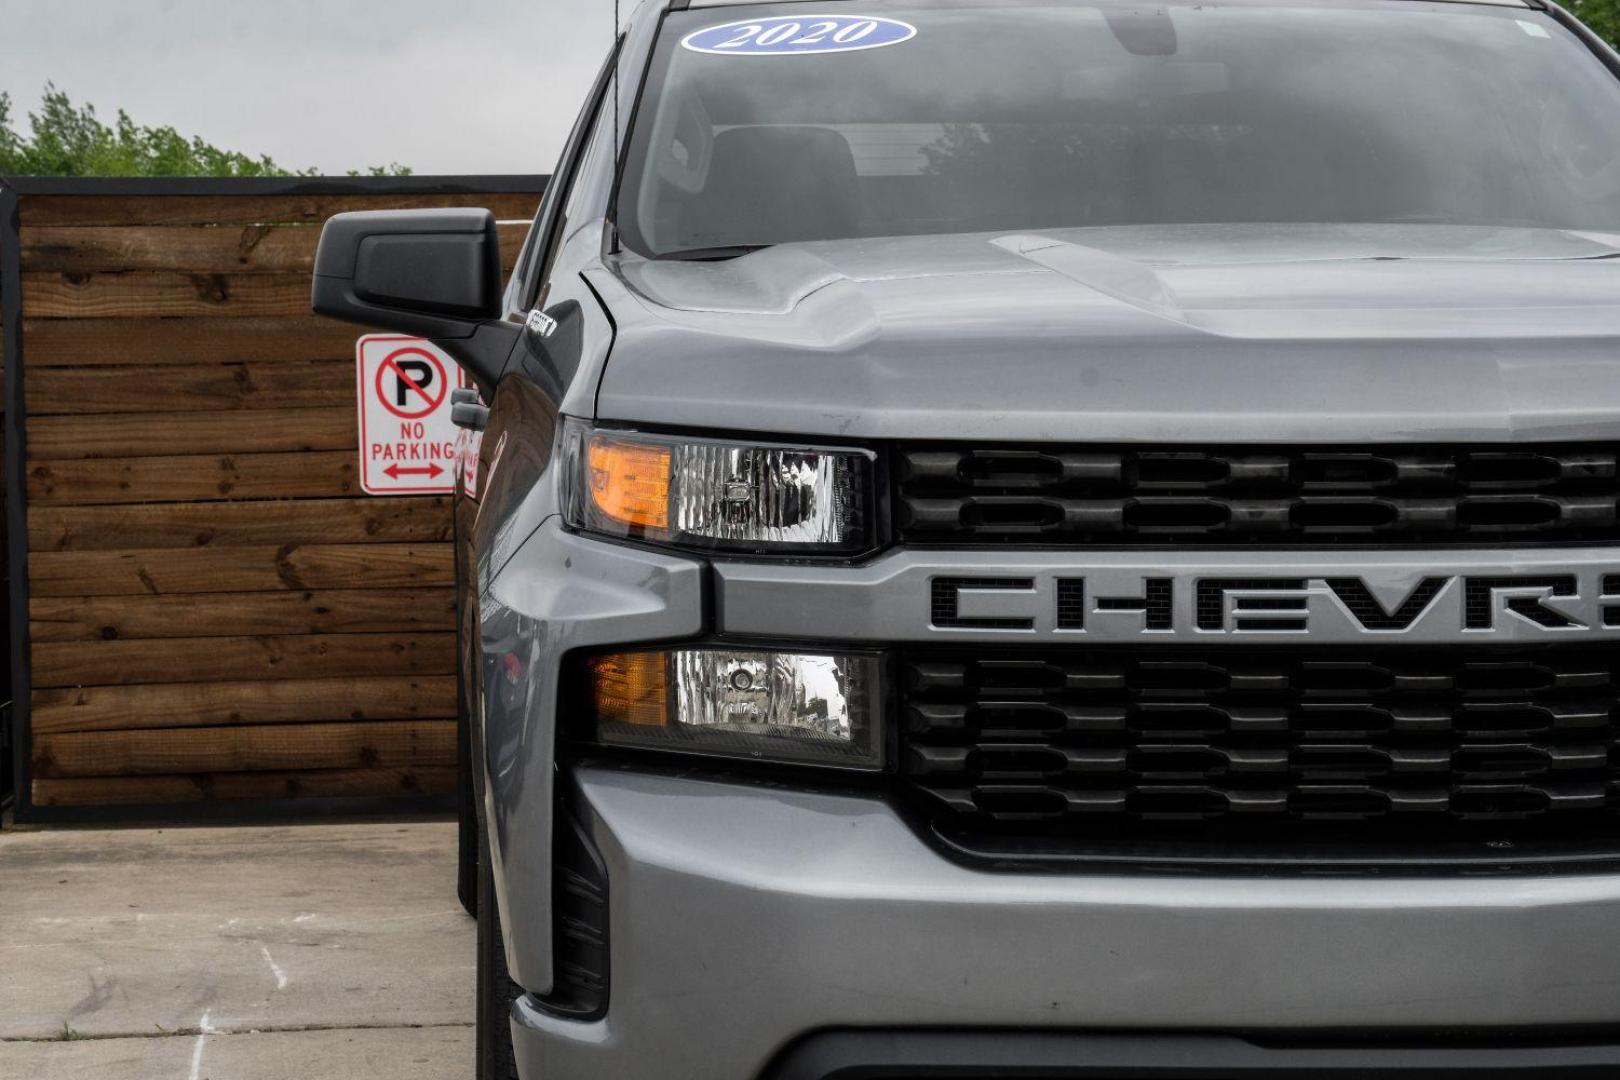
(718, 494)
(777, 706)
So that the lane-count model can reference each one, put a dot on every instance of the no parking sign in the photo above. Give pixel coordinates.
(407, 442)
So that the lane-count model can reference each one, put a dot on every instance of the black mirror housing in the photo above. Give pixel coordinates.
(430, 273)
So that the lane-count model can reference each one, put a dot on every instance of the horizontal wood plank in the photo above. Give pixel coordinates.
(226, 659)
(39, 210)
(328, 611)
(283, 701)
(182, 525)
(183, 571)
(190, 342)
(395, 744)
(79, 249)
(228, 249)
(127, 435)
(251, 386)
(162, 294)
(207, 787)
(193, 478)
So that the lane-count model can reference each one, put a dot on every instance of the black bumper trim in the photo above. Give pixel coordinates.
(922, 1055)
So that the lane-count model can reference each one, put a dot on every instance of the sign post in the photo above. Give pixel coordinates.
(407, 441)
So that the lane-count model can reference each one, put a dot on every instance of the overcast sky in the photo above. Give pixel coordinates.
(444, 86)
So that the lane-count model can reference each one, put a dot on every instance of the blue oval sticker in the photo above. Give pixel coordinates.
(795, 35)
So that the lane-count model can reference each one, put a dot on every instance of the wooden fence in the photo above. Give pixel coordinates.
(204, 604)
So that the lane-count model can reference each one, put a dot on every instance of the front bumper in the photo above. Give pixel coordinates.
(743, 918)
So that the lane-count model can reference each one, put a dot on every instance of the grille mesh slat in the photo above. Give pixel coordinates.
(1065, 739)
(1559, 493)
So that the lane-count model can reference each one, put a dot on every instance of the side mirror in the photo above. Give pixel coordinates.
(430, 273)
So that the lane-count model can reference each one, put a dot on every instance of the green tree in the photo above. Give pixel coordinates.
(1601, 15)
(64, 139)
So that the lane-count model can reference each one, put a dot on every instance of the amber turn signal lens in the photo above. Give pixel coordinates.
(630, 481)
(631, 688)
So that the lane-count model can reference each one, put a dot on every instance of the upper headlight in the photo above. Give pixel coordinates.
(715, 493)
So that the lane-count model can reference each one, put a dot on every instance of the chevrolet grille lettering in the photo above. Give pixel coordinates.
(1479, 604)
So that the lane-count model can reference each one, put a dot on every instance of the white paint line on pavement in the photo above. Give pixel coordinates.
(415, 916)
(275, 968)
(203, 1028)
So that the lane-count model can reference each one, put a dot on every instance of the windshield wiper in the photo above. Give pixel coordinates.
(712, 254)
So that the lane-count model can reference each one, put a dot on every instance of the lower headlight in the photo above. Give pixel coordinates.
(779, 706)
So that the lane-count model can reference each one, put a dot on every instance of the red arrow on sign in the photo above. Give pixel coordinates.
(394, 472)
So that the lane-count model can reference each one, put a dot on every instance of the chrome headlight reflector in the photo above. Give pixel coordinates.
(718, 494)
(803, 708)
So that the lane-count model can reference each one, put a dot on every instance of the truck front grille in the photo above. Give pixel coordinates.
(1267, 741)
(958, 495)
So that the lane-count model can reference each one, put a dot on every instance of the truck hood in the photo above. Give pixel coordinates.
(1166, 334)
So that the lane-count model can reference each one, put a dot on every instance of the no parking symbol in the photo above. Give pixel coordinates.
(407, 442)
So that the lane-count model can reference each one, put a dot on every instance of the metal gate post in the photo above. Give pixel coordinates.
(17, 716)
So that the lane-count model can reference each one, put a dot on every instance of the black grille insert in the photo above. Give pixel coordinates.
(1272, 742)
(1304, 495)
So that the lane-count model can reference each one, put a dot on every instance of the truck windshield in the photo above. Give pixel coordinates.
(1001, 116)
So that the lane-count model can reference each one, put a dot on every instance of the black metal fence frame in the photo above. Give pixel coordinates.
(15, 735)
(17, 720)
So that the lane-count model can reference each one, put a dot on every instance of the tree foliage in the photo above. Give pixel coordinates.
(64, 139)
(1601, 15)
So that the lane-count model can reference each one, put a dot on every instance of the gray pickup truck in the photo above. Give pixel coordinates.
(1046, 538)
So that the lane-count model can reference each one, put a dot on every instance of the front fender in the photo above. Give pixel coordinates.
(558, 593)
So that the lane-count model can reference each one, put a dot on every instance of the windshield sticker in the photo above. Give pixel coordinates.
(799, 35)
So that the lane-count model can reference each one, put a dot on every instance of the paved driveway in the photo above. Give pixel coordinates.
(302, 952)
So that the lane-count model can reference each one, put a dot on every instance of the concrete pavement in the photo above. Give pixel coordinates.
(234, 953)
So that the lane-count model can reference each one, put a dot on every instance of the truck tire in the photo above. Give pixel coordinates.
(496, 991)
(467, 837)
